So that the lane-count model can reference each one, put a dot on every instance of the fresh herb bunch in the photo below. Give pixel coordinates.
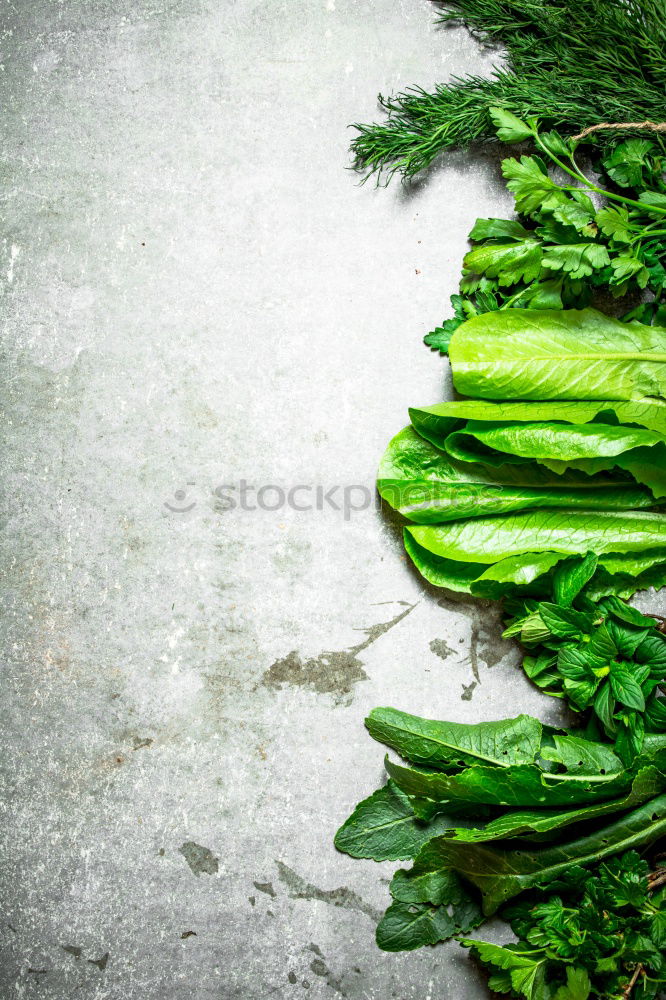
(574, 65)
(601, 933)
(607, 659)
(566, 251)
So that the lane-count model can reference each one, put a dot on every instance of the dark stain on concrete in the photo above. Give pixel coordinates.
(292, 978)
(252, 900)
(486, 645)
(334, 671)
(299, 888)
(468, 691)
(187, 934)
(319, 967)
(72, 949)
(201, 860)
(377, 631)
(101, 963)
(140, 743)
(266, 887)
(316, 949)
(441, 649)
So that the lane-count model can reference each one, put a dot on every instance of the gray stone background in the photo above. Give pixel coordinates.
(196, 292)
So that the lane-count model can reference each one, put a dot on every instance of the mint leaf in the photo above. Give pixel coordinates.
(625, 687)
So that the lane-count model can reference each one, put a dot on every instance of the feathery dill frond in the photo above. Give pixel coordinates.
(569, 63)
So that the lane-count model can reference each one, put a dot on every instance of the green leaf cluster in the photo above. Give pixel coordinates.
(569, 65)
(566, 251)
(471, 458)
(492, 811)
(596, 936)
(606, 659)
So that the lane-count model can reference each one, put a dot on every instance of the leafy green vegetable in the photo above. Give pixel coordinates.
(555, 354)
(501, 874)
(610, 659)
(493, 556)
(520, 786)
(597, 936)
(428, 487)
(443, 744)
(434, 423)
(385, 827)
(533, 824)
(406, 926)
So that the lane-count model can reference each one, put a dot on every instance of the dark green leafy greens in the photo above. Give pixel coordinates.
(600, 934)
(609, 659)
(493, 811)
(543, 489)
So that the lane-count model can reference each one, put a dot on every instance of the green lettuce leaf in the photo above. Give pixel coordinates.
(428, 487)
(435, 422)
(493, 556)
(520, 786)
(532, 824)
(384, 827)
(557, 354)
(588, 448)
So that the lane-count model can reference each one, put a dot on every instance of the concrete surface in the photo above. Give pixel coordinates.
(195, 294)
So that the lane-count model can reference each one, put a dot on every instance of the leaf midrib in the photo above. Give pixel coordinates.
(450, 746)
(616, 356)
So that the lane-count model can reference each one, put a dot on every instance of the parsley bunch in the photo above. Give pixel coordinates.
(601, 934)
(576, 243)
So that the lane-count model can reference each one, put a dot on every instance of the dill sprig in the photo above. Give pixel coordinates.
(570, 63)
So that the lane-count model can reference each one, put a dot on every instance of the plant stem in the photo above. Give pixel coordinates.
(577, 175)
(629, 989)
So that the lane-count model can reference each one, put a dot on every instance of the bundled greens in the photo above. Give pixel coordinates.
(544, 489)
(574, 65)
(492, 810)
(608, 658)
(473, 458)
(568, 251)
